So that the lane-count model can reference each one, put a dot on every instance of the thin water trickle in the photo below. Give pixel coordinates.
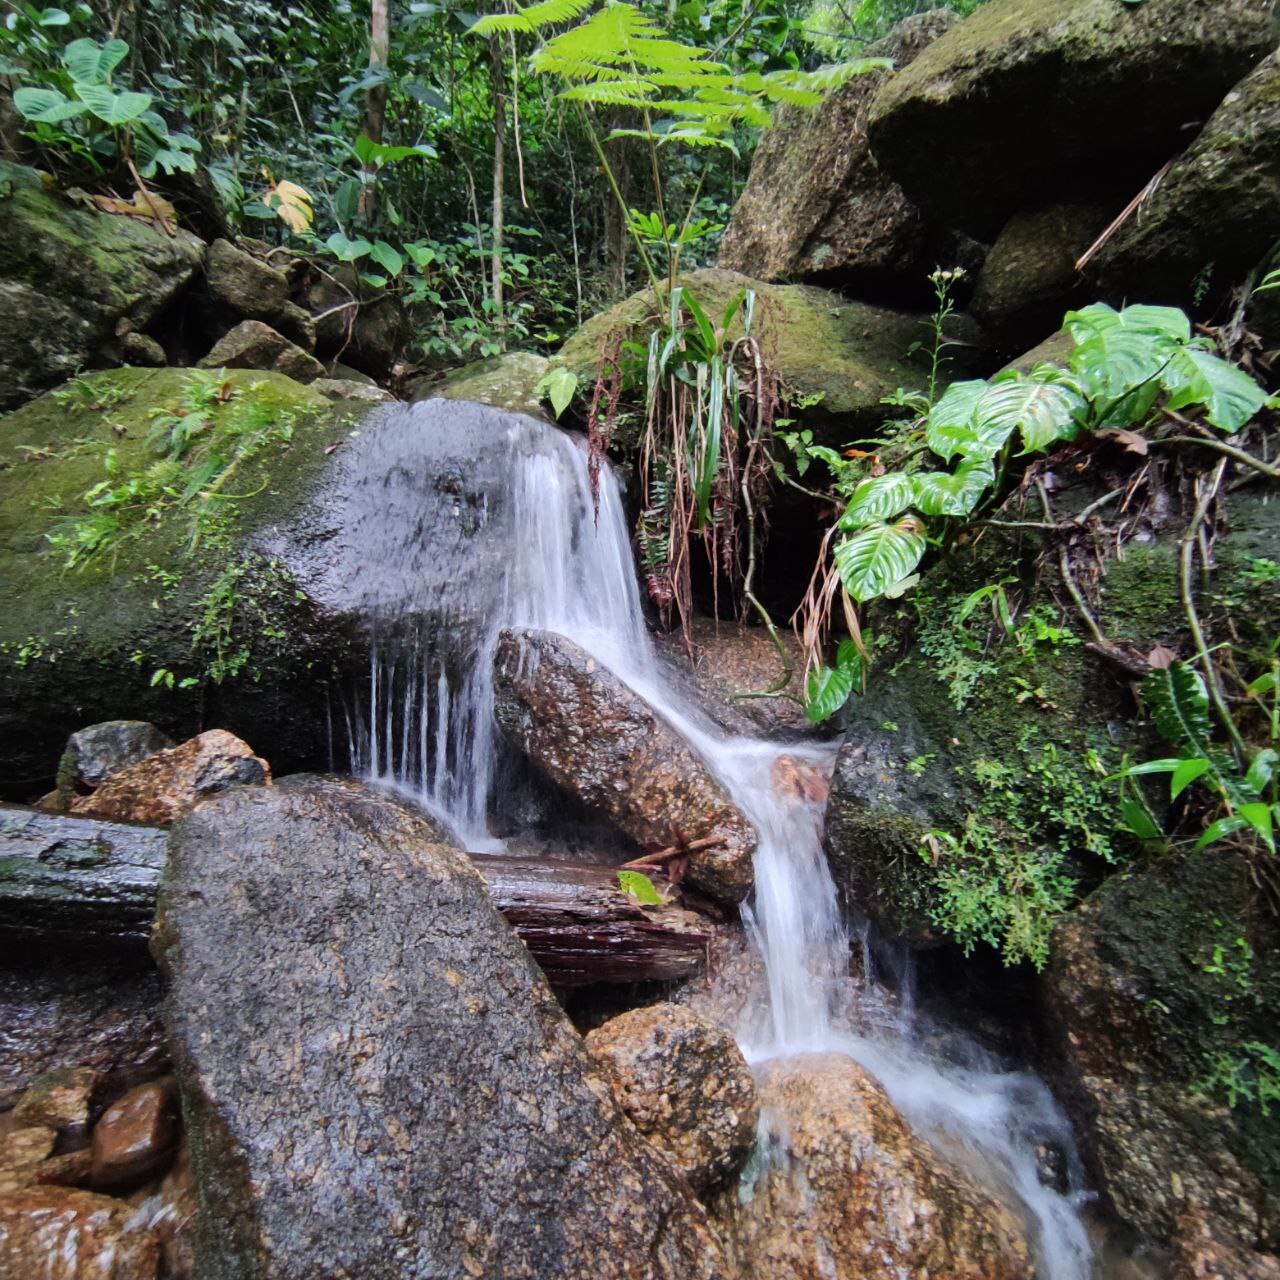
(427, 728)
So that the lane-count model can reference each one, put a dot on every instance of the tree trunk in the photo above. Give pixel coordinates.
(497, 89)
(375, 103)
(70, 882)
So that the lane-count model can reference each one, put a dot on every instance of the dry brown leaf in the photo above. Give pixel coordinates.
(1132, 441)
(1161, 657)
(146, 205)
(292, 204)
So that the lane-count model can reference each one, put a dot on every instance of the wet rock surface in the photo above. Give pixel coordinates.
(589, 733)
(1142, 1014)
(59, 1014)
(134, 1136)
(684, 1083)
(375, 1078)
(60, 1234)
(964, 127)
(61, 1100)
(95, 753)
(816, 203)
(847, 1192)
(164, 786)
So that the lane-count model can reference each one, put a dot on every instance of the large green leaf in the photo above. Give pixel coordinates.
(950, 428)
(1179, 705)
(115, 109)
(826, 691)
(1166, 323)
(1117, 361)
(559, 387)
(1229, 395)
(939, 494)
(387, 257)
(879, 556)
(47, 106)
(1043, 411)
(878, 498)
(92, 63)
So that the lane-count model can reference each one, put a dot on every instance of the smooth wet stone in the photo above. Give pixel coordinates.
(591, 734)
(161, 788)
(376, 1079)
(94, 753)
(97, 1013)
(53, 1233)
(134, 1137)
(683, 1082)
(846, 1191)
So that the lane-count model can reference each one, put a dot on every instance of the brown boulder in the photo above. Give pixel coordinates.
(254, 345)
(164, 786)
(57, 1234)
(597, 738)
(247, 285)
(816, 204)
(1199, 1254)
(684, 1083)
(848, 1192)
(134, 1137)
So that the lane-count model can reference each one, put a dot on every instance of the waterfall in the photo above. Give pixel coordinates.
(426, 726)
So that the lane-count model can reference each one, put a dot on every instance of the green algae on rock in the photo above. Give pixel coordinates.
(842, 357)
(72, 281)
(1031, 100)
(83, 645)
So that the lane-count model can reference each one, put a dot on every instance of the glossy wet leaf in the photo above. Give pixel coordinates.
(875, 559)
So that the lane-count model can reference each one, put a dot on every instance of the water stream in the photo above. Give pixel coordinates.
(426, 727)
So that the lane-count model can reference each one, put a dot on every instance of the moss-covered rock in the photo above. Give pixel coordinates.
(1216, 211)
(506, 382)
(816, 203)
(998, 747)
(845, 355)
(1164, 999)
(72, 280)
(1028, 100)
(82, 645)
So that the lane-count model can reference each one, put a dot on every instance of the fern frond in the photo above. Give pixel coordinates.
(546, 13)
(612, 93)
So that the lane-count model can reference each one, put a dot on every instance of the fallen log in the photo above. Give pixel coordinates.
(85, 883)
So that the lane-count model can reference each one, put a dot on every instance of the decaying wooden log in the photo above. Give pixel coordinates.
(86, 883)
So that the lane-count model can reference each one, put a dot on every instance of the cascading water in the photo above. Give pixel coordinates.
(427, 727)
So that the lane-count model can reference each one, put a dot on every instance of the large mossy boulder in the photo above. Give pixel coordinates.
(1028, 100)
(816, 203)
(243, 645)
(998, 747)
(508, 381)
(1163, 998)
(376, 1080)
(1217, 210)
(840, 355)
(73, 281)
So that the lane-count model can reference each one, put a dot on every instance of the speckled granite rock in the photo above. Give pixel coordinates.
(589, 733)
(376, 1080)
(164, 786)
(684, 1083)
(849, 1193)
(57, 1234)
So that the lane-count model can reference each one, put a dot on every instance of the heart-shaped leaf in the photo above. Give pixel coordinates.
(879, 556)
(940, 494)
(878, 498)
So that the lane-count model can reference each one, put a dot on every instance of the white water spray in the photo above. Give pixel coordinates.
(428, 729)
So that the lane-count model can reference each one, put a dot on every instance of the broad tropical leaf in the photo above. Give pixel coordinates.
(950, 428)
(387, 257)
(47, 106)
(826, 691)
(939, 494)
(1043, 412)
(559, 387)
(879, 556)
(1230, 397)
(292, 205)
(878, 498)
(115, 109)
(1165, 323)
(1117, 361)
(91, 63)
